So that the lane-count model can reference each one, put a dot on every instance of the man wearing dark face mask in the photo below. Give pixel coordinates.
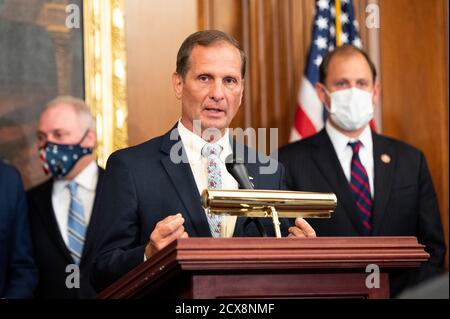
(383, 186)
(64, 226)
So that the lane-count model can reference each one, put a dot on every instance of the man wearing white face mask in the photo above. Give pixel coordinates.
(383, 186)
(350, 109)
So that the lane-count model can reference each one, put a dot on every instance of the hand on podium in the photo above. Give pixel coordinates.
(301, 229)
(165, 232)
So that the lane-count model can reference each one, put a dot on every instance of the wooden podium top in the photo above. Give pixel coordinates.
(227, 255)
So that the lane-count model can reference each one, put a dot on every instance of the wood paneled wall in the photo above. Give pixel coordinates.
(414, 46)
(154, 32)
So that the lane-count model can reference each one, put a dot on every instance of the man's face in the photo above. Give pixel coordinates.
(61, 125)
(212, 89)
(346, 71)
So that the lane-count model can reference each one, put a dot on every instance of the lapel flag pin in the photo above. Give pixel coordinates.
(251, 179)
(386, 159)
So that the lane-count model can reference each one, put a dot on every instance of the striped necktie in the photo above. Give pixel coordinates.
(212, 152)
(76, 224)
(359, 184)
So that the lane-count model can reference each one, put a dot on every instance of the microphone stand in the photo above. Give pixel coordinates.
(244, 183)
(257, 223)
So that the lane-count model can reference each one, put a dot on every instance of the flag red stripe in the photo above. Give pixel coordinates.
(303, 124)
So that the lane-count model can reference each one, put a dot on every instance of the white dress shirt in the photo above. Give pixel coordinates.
(344, 151)
(193, 145)
(87, 184)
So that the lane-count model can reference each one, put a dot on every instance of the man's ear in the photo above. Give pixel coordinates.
(242, 91)
(376, 94)
(177, 83)
(90, 139)
(321, 93)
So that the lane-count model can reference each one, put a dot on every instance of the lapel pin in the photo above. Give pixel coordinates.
(251, 181)
(386, 159)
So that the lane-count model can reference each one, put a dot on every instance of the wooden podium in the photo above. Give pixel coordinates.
(326, 267)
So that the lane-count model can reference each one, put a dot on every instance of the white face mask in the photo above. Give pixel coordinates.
(351, 109)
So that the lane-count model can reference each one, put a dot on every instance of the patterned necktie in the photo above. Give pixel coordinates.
(212, 152)
(359, 184)
(76, 224)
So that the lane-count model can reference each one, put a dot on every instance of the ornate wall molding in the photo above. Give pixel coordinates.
(105, 73)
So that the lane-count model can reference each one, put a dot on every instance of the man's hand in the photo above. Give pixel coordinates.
(301, 229)
(165, 232)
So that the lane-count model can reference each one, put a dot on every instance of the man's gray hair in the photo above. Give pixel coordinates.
(80, 107)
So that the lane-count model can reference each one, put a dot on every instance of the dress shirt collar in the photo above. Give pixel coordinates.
(193, 143)
(340, 141)
(87, 179)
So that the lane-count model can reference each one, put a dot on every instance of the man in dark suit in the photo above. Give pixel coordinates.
(383, 186)
(152, 191)
(64, 224)
(18, 274)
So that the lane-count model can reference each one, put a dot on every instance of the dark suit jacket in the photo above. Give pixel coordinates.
(18, 274)
(51, 252)
(405, 202)
(142, 186)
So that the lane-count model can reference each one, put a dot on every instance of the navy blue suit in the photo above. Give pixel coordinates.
(405, 202)
(142, 186)
(18, 274)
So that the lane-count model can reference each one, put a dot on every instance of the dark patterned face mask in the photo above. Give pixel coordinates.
(59, 159)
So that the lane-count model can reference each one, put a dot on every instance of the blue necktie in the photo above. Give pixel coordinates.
(359, 184)
(212, 152)
(76, 224)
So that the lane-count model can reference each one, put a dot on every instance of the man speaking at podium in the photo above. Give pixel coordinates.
(151, 192)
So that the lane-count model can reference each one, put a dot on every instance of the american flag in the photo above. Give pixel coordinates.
(334, 25)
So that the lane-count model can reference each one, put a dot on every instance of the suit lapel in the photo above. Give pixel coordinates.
(183, 181)
(95, 221)
(49, 221)
(384, 163)
(326, 160)
(253, 173)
